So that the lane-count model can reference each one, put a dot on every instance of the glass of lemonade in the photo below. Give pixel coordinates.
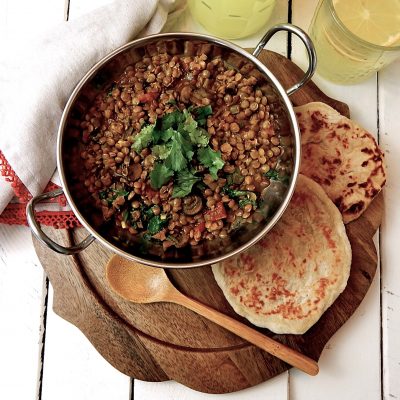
(232, 19)
(355, 38)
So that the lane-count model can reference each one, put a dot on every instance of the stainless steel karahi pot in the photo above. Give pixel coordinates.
(101, 75)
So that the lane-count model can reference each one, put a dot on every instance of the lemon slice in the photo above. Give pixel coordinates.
(376, 21)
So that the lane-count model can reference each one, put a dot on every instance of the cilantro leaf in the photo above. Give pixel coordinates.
(157, 135)
(188, 123)
(161, 151)
(272, 174)
(175, 160)
(184, 183)
(201, 114)
(210, 159)
(200, 137)
(166, 135)
(185, 144)
(147, 213)
(143, 138)
(171, 120)
(119, 192)
(104, 194)
(234, 193)
(249, 197)
(235, 177)
(160, 175)
(156, 223)
(243, 202)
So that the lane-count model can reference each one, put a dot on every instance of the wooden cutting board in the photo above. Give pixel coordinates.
(158, 342)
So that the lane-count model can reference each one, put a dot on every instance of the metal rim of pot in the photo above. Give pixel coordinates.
(93, 234)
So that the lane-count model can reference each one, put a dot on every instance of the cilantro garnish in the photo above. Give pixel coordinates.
(210, 159)
(201, 114)
(156, 223)
(244, 196)
(184, 183)
(235, 177)
(161, 151)
(244, 202)
(174, 140)
(147, 212)
(120, 192)
(103, 195)
(272, 174)
(234, 193)
(171, 120)
(181, 152)
(143, 138)
(160, 175)
(199, 136)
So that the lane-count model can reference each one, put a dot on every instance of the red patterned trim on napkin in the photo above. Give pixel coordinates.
(15, 213)
(10, 176)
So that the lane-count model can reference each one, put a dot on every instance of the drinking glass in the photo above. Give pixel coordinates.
(232, 19)
(344, 57)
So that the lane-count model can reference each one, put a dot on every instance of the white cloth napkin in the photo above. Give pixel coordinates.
(37, 79)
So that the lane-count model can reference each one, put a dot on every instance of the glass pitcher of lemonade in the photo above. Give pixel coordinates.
(232, 19)
(355, 38)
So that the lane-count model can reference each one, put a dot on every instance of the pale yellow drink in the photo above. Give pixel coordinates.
(232, 19)
(355, 38)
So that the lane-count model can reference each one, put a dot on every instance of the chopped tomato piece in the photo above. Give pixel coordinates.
(201, 227)
(147, 97)
(217, 213)
(149, 192)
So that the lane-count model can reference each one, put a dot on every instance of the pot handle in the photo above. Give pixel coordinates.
(42, 237)
(312, 56)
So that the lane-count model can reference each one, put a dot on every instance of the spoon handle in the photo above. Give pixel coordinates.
(279, 350)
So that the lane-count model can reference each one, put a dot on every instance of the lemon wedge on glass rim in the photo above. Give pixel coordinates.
(375, 21)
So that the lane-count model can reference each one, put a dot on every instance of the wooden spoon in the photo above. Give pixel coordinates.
(141, 284)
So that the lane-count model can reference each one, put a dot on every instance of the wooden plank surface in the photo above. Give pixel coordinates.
(274, 389)
(351, 349)
(20, 335)
(389, 134)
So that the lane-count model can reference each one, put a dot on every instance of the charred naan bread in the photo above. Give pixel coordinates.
(290, 277)
(342, 157)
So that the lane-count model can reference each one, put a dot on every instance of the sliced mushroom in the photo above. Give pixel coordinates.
(181, 240)
(192, 205)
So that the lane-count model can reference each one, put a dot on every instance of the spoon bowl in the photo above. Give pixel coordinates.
(136, 282)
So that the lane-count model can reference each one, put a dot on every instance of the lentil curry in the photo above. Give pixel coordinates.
(180, 149)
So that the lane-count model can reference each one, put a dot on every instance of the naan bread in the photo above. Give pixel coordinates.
(342, 157)
(289, 278)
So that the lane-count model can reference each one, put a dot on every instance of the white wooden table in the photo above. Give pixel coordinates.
(44, 357)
